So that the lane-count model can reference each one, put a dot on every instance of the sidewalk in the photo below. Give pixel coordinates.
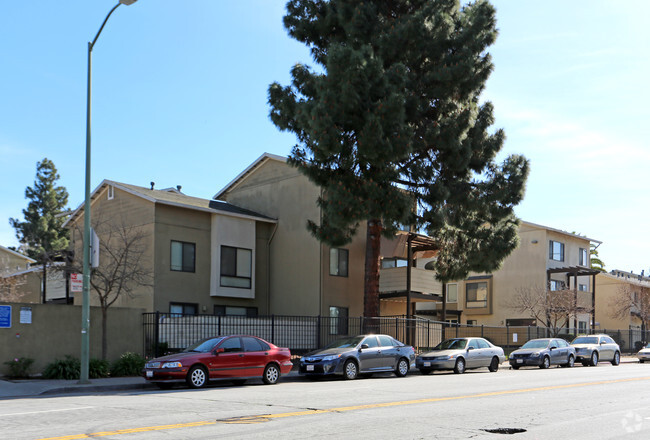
(40, 387)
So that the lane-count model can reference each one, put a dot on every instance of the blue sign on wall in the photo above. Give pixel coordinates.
(5, 316)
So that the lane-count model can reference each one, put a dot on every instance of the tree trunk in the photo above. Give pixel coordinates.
(371, 280)
(104, 336)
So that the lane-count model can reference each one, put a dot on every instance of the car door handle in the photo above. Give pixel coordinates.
(241, 355)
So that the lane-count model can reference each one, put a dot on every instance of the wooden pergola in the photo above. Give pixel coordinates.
(575, 272)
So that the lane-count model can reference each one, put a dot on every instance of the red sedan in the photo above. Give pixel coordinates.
(234, 357)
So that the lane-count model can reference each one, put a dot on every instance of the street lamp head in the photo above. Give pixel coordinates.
(127, 2)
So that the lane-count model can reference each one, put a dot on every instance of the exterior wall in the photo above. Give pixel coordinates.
(178, 224)
(607, 289)
(55, 332)
(124, 210)
(347, 291)
(279, 191)
(11, 263)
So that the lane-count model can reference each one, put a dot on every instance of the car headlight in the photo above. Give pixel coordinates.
(452, 356)
(171, 365)
(535, 355)
(331, 357)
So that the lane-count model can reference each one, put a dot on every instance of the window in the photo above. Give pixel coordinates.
(339, 262)
(182, 256)
(111, 192)
(235, 311)
(555, 285)
(476, 294)
(471, 322)
(386, 341)
(231, 345)
(371, 342)
(555, 250)
(338, 320)
(451, 321)
(582, 287)
(521, 322)
(482, 344)
(583, 259)
(452, 293)
(254, 344)
(236, 267)
(582, 326)
(472, 344)
(179, 309)
(393, 262)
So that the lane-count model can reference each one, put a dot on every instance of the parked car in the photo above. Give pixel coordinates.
(591, 349)
(543, 353)
(233, 357)
(355, 355)
(644, 354)
(460, 354)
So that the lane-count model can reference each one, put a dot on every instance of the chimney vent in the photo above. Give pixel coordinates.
(178, 187)
(152, 184)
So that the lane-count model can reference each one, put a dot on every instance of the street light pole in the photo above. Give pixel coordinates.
(85, 309)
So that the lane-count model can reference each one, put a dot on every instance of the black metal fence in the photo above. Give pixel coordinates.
(165, 333)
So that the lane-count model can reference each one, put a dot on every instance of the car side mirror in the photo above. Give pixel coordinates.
(470, 348)
(553, 348)
(364, 346)
(603, 342)
(219, 350)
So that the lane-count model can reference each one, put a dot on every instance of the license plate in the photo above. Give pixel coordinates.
(427, 364)
(149, 373)
(310, 368)
(520, 361)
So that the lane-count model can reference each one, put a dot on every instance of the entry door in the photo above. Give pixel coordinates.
(230, 362)
(370, 358)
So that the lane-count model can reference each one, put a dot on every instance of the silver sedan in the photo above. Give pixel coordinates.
(460, 354)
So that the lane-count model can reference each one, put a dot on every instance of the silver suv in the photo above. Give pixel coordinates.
(590, 349)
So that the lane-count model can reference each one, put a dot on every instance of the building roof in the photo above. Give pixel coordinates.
(17, 254)
(174, 197)
(249, 170)
(559, 231)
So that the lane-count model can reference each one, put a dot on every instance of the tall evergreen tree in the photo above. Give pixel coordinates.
(391, 127)
(42, 232)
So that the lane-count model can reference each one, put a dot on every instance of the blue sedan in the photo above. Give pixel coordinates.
(363, 354)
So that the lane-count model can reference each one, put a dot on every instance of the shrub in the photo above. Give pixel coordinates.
(68, 368)
(129, 364)
(98, 368)
(19, 367)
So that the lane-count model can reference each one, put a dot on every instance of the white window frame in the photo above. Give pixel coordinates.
(449, 297)
(552, 253)
(111, 192)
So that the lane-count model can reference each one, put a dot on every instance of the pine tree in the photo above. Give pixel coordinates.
(390, 126)
(42, 233)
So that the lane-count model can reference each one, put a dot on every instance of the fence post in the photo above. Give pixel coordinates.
(457, 326)
(507, 337)
(272, 328)
(482, 331)
(318, 330)
(156, 335)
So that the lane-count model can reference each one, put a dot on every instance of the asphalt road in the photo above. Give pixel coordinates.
(582, 402)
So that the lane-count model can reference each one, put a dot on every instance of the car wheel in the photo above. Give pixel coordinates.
(239, 382)
(460, 366)
(197, 377)
(571, 361)
(594, 359)
(271, 374)
(514, 367)
(494, 365)
(164, 385)
(546, 362)
(426, 371)
(617, 359)
(641, 361)
(350, 370)
(402, 368)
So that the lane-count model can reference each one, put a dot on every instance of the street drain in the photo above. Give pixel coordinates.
(504, 430)
(248, 420)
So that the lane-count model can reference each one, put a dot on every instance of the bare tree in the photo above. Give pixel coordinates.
(10, 288)
(122, 267)
(631, 300)
(553, 309)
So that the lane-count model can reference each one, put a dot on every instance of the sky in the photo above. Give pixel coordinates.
(179, 97)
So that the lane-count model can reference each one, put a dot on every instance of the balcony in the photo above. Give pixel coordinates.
(393, 279)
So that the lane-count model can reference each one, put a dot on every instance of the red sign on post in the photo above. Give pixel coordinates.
(76, 282)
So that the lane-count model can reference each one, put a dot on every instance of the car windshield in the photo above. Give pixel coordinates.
(203, 346)
(346, 342)
(452, 344)
(540, 343)
(585, 340)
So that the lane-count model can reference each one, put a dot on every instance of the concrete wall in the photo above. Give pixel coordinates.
(55, 331)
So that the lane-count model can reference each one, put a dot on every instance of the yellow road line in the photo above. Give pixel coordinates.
(268, 417)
